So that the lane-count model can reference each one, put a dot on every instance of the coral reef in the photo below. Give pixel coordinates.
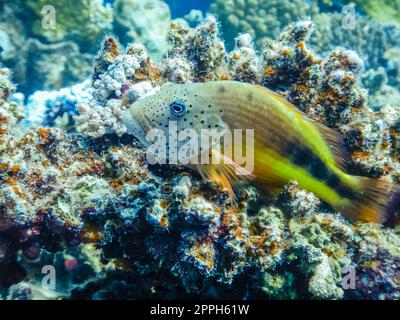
(373, 47)
(56, 108)
(258, 17)
(194, 54)
(73, 267)
(51, 58)
(383, 11)
(54, 58)
(134, 22)
(115, 227)
(86, 29)
(120, 77)
(376, 42)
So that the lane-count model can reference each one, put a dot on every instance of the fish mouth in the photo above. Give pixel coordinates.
(133, 126)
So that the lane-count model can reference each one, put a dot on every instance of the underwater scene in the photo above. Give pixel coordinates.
(199, 149)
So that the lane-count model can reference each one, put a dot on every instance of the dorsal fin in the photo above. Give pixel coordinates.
(332, 138)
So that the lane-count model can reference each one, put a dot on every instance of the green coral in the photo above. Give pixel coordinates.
(381, 10)
(84, 21)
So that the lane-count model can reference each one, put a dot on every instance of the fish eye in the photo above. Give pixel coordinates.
(177, 108)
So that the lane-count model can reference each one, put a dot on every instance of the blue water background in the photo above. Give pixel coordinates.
(181, 7)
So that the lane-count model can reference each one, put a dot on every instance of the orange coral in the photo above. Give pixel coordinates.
(270, 71)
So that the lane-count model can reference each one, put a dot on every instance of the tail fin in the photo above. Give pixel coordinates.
(377, 201)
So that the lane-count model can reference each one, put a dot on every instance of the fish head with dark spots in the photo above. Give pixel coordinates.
(180, 109)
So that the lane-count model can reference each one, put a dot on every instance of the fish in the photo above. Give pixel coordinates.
(287, 144)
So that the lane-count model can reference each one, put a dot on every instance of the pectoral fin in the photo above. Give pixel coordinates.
(227, 173)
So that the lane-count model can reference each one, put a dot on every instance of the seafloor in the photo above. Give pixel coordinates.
(78, 197)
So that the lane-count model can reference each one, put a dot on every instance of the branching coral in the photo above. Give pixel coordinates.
(258, 17)
(117, 82)
(194, 54)
(373, 41)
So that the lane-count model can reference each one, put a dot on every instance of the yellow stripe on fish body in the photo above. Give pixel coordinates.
(255, 107)
(288, 145)
(286, 171)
